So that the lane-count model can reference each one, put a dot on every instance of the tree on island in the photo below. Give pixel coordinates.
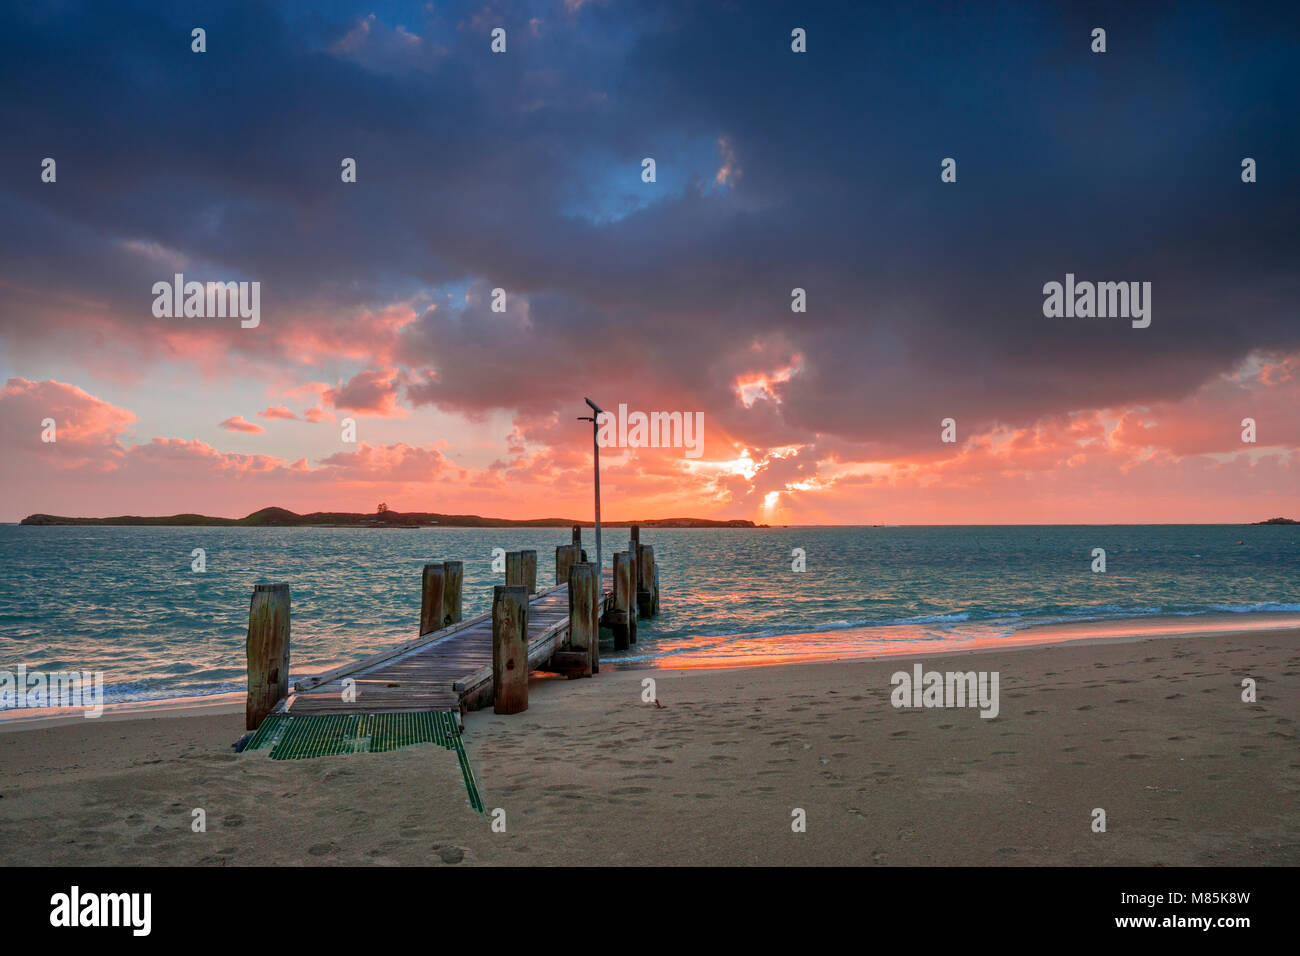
(382, 508)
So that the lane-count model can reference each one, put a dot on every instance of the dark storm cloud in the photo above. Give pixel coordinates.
(924, 298)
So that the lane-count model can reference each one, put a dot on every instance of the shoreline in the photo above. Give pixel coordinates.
(1154, 731)
(1083, 633)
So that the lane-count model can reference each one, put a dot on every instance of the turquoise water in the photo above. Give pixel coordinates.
(125, 601)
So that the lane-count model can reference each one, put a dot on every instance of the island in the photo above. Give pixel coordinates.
(1277, 521)
(383, 518)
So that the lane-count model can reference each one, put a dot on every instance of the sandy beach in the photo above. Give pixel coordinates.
(1154, 731)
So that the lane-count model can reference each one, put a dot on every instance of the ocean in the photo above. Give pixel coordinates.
(125, 601)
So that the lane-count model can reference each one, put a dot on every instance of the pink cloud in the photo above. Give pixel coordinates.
(372, 392)
(277, 411)
(86, 429)
(236, 423)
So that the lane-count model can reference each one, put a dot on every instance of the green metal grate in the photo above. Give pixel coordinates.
(291, 737)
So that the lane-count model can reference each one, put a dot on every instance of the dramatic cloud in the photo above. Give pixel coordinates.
(775, 172)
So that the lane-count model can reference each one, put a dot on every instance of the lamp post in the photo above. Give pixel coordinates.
(595, 448)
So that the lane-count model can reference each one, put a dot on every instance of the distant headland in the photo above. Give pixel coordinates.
(1278, 521)
(383, 518)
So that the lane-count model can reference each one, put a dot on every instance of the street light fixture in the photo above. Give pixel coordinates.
(595, 448)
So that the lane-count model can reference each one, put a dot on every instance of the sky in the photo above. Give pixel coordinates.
(775, 170)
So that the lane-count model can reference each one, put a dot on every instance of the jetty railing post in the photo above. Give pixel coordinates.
(624, 601)
(565, 555)
(453, 573)
(645, 584)
(514, 569)
(268, 651)
(509, 649)
(584, 614)
(433, 592)
(529, 559)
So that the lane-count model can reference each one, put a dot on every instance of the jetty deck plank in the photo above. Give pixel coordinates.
(439, 670)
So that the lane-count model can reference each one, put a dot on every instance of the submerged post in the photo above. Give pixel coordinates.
(632, 614)
(645, 581)
(530, 570)
(565, 555)
(453, 573)
(620, 621)
(510, 649)
(268, 651)
(584, 615)
(432, 598)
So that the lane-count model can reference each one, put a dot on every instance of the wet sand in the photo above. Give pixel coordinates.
(1153, 731)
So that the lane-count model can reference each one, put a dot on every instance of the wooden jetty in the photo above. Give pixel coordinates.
(456, 664)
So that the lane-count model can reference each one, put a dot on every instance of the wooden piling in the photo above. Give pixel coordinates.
(514, 569)
(453, 573)
(632, 614)
(510, 648)
(645, 581)
(584, 615)
(624, 600)
(634, 538)
(433, 592)
(268, 651)
(577, 536)
(565, 555)
(530, 570)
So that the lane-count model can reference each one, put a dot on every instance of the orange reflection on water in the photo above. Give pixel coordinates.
(705, 653)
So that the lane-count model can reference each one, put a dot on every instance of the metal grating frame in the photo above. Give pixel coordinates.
(291, 737)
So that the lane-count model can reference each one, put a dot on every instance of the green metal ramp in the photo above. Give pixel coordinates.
(291, 737)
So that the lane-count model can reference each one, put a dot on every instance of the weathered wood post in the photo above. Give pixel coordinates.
(577, 536)
(509, 649)
(565, 555)
(584, 615)
(453, 573)
(634, 539)
(514, 569)
(624, 600)
(645, 581)
(530, 570)
(632, 615)
(432, 598)
(268, 651)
